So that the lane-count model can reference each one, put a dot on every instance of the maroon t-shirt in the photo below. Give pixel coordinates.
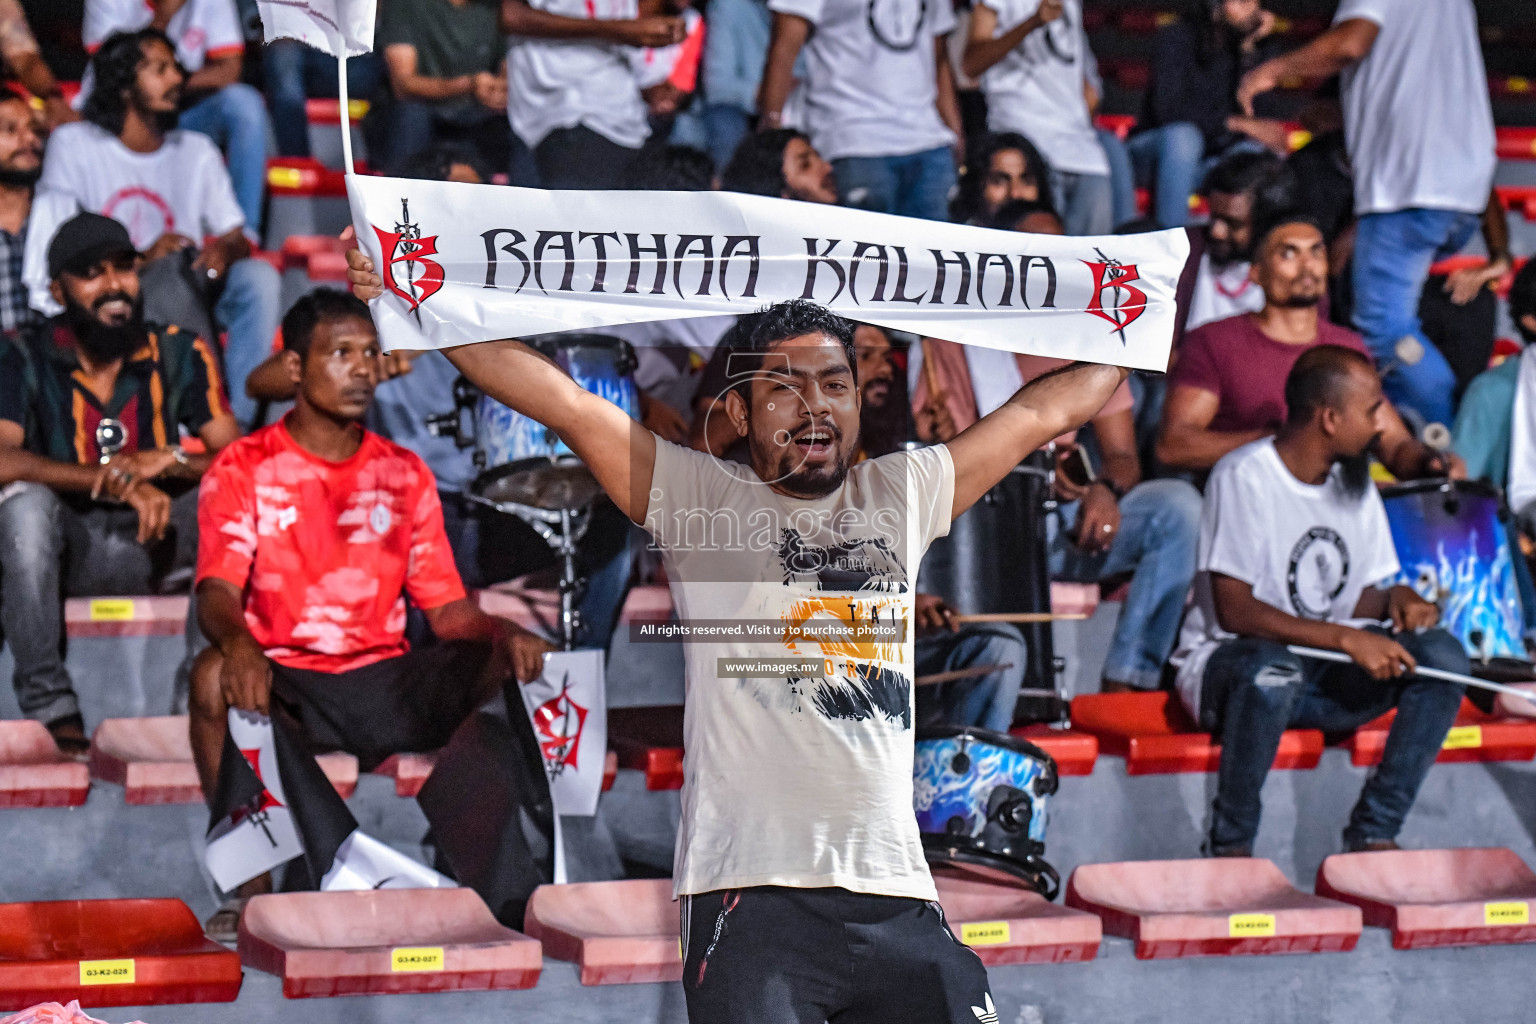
(1246, 368)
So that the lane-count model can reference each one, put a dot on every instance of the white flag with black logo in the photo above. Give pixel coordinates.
(339, 27)
(569, 710)
(253, 831)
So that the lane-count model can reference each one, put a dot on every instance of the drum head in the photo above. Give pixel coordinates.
(559, 484)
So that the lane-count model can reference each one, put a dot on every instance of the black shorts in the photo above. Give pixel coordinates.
(774, 955)
(410, 703)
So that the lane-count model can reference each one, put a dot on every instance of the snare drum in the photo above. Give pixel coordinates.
(598, 363)
(1454, 549)
(981, 799)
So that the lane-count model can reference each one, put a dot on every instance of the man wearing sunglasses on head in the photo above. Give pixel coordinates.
(98, 496)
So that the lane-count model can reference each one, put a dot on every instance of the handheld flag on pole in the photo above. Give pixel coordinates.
(341, 28)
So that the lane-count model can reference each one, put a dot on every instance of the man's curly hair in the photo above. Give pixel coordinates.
(115, 68)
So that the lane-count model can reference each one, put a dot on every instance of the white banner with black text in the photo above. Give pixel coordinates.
(469, 263)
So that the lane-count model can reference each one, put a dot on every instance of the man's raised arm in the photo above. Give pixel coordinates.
(620, 452)
(1039, 412)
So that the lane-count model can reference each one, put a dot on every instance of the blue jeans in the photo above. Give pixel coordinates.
(235, 118)
(295, 72)
(50, 550)
(1169, 161)
(1253, 690)
(1085, 202)
(1159, 527)
(986, 701)
(249, 310)
(1122, 177)
(915, 185)
(1393, 254)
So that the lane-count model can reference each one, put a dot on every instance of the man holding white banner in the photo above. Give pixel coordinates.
(797, 816)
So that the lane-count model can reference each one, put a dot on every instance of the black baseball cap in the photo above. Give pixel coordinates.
(84, 239)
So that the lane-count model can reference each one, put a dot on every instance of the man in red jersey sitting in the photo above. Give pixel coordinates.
(315, 532)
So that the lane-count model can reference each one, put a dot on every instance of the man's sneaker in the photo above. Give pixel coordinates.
(224, 926)
(69, 736)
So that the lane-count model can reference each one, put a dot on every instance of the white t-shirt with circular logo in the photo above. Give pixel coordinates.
(871, 75)
(1309, 550)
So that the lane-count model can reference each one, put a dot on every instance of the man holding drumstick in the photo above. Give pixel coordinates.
(797, 830)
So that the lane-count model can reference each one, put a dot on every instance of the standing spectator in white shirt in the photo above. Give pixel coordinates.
(169, 188)
(575, 76)
(211, 48)
(879, 97)
(1419, 127)
(1032, 59)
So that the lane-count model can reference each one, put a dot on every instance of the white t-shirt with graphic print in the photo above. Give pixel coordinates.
(871, 75)
(1037, 89)
(1308, 549)
(787, 780)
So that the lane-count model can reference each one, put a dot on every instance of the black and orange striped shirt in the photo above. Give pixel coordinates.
(172, 381)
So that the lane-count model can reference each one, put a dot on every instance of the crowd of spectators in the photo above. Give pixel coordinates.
(140, 317)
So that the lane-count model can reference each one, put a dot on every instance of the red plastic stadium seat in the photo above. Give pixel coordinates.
(1475, 737)
(110, 953)
(306, 176)
(32, 771)
(125, 616)
(151, 758)
(1519, 200)
(1010, 924)
(617, 932)
(1475, 897)
(1511, 86)
(1074, 752)
(1074, 598)
(297, 249)
(409, 771)
(324, 111)
(1215, 907)
(1516, 143)
(1155, 735)
(649, 739)
(385, 942)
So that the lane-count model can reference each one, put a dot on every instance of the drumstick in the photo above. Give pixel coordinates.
(1019, 617)
(929, 376)
(960, 673)
(1428, 673)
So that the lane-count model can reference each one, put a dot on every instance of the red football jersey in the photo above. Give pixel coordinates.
(325, 552)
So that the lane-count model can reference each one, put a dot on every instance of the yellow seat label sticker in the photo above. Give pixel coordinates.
(106, 972)
(416, 958)
(984, 933)
(112, 609)
(1463, 737)
(1248, 926)
(1513, 912)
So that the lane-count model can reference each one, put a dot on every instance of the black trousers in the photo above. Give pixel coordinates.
(775, 955)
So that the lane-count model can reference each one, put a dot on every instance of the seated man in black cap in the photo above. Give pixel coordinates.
(97, 494)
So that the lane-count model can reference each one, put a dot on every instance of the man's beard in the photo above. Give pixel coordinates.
(106, 342)
(11, 177)
(789, 469)
(163, 121)
(1355, 470)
